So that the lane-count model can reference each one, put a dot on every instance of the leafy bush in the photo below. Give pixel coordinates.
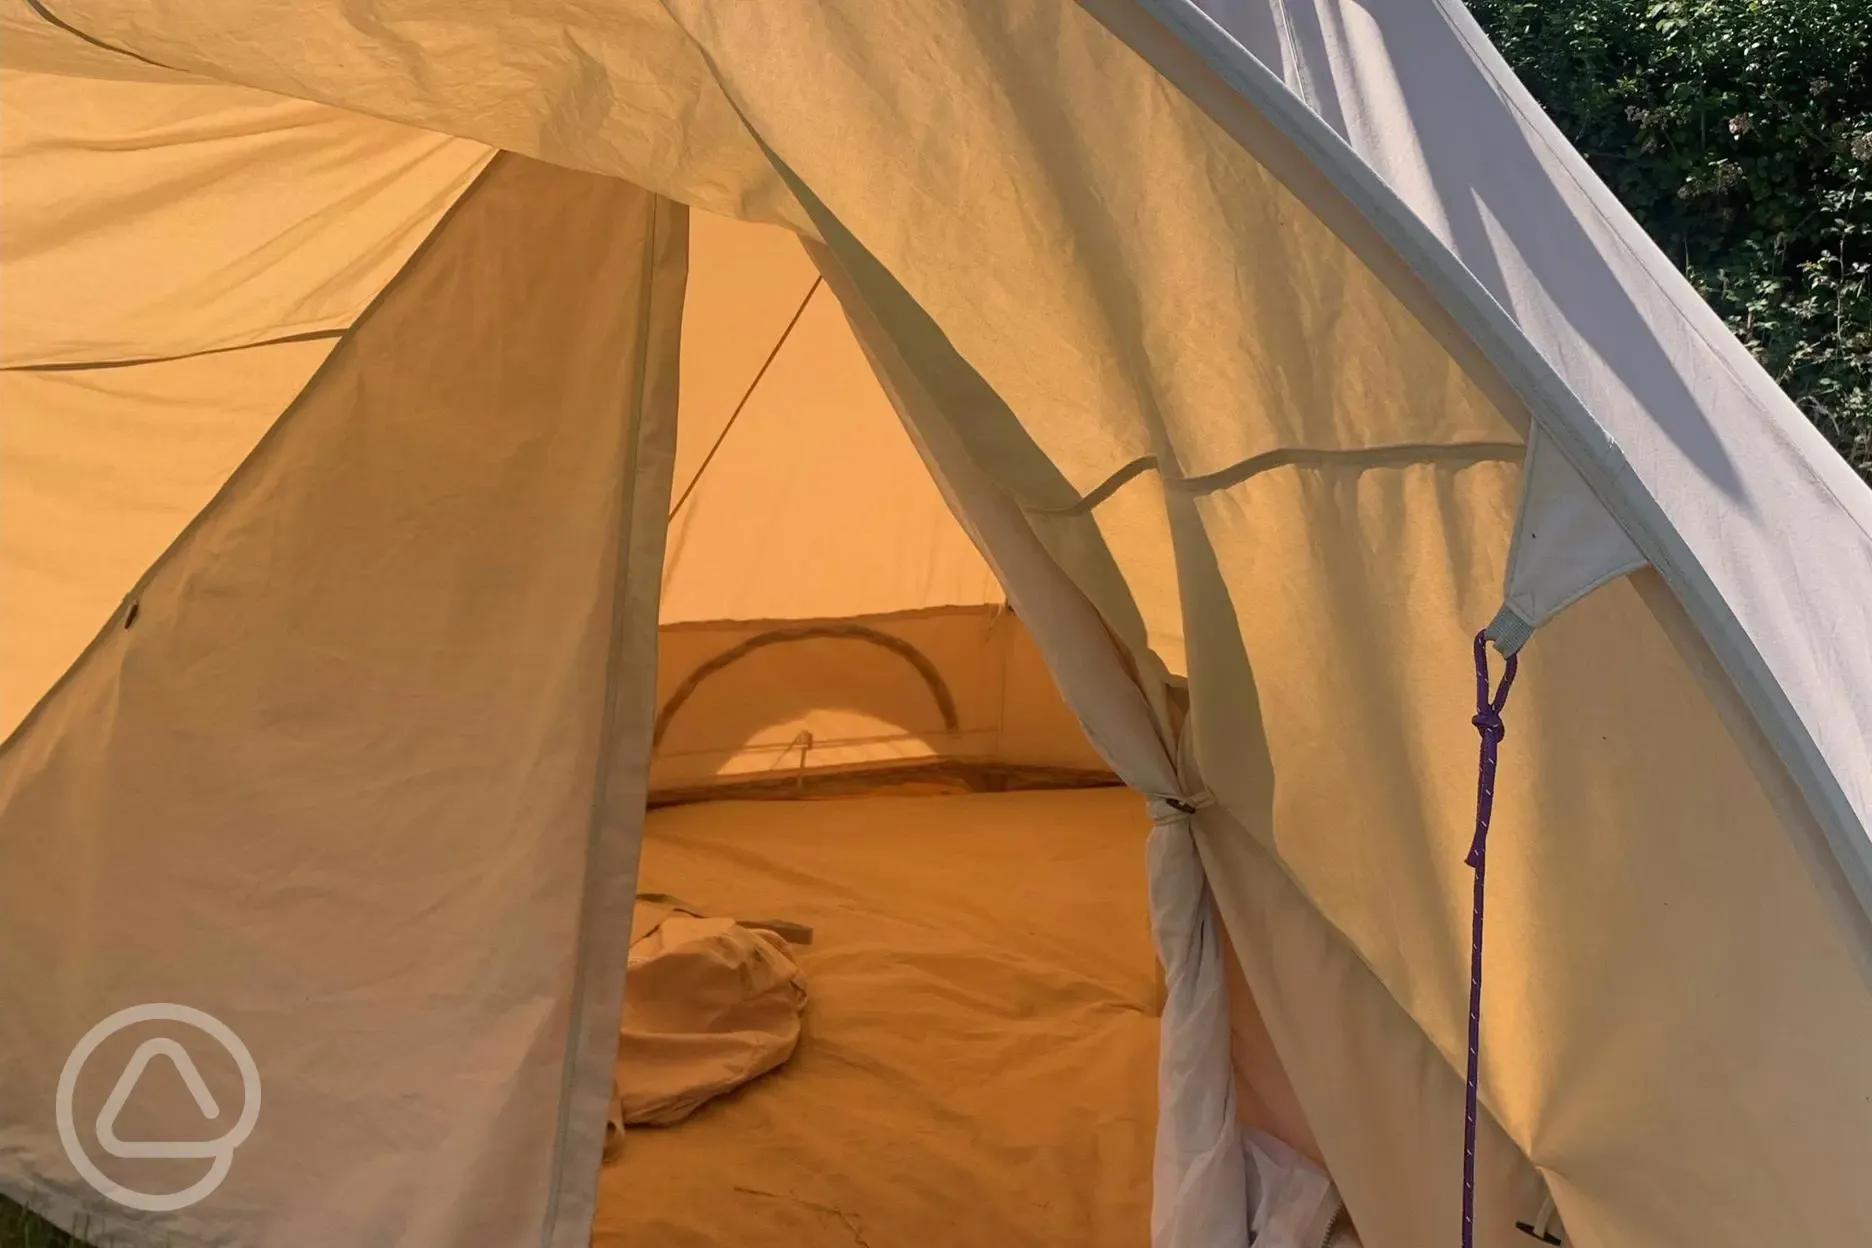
(1739, 133)
(20, 1229)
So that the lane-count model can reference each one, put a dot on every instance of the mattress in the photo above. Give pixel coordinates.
(977, 1064)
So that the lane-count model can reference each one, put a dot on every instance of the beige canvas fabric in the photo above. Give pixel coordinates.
(103, 468)
(977, 1063)
(156, 220)
(822, 608)
(813, 505)
(665, 118)
(178, 260)
(1631, 717)
(387, 652)
(1401, 1198)
(1271, 440)
(1201, 1186)
(790, 699)
(709, 1005)
(1362, 1071)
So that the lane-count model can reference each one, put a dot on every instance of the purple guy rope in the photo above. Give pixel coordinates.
(1488, 722)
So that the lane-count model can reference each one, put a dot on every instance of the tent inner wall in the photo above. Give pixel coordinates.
(825, 617)
(958, 696)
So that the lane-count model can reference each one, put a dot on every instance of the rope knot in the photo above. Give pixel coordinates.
(1488, 722)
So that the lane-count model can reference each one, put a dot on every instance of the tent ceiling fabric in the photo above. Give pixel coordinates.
(1144, 350)
(619, 90)
(815, 505)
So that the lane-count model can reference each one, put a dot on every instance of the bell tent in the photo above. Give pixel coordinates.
(1019, 484)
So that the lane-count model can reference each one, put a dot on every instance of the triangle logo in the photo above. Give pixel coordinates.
(127, 1082)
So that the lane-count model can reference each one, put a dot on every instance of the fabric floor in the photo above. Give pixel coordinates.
(978, 1058)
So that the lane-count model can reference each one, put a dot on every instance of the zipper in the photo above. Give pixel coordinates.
(1331, 1223)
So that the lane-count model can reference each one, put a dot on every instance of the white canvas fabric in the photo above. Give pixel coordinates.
(1726, 464)
(1294, 1203)
(1205, 1181)
(1566, 545)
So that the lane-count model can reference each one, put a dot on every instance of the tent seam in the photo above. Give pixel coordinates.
(53, 19)
(1245, 470)
(934, 611)
(1290, 51)
(86, 366)
(614, 667)
(783, 748)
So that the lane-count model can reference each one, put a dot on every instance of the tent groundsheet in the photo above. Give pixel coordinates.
(978, 1060)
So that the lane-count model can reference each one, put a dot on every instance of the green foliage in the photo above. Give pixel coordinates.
(20, 1229)
(1739, 133)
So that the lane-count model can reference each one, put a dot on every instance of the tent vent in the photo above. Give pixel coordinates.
(130, 616)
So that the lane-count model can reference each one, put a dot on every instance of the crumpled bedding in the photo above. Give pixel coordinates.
(978, 1061)
(711, 1004)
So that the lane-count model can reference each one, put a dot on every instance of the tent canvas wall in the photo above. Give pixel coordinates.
(822, 610)
(1263, 353)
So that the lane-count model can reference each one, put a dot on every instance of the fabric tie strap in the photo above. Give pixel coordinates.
(1488, 722)
(1166, 808)
(1200, 1180)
